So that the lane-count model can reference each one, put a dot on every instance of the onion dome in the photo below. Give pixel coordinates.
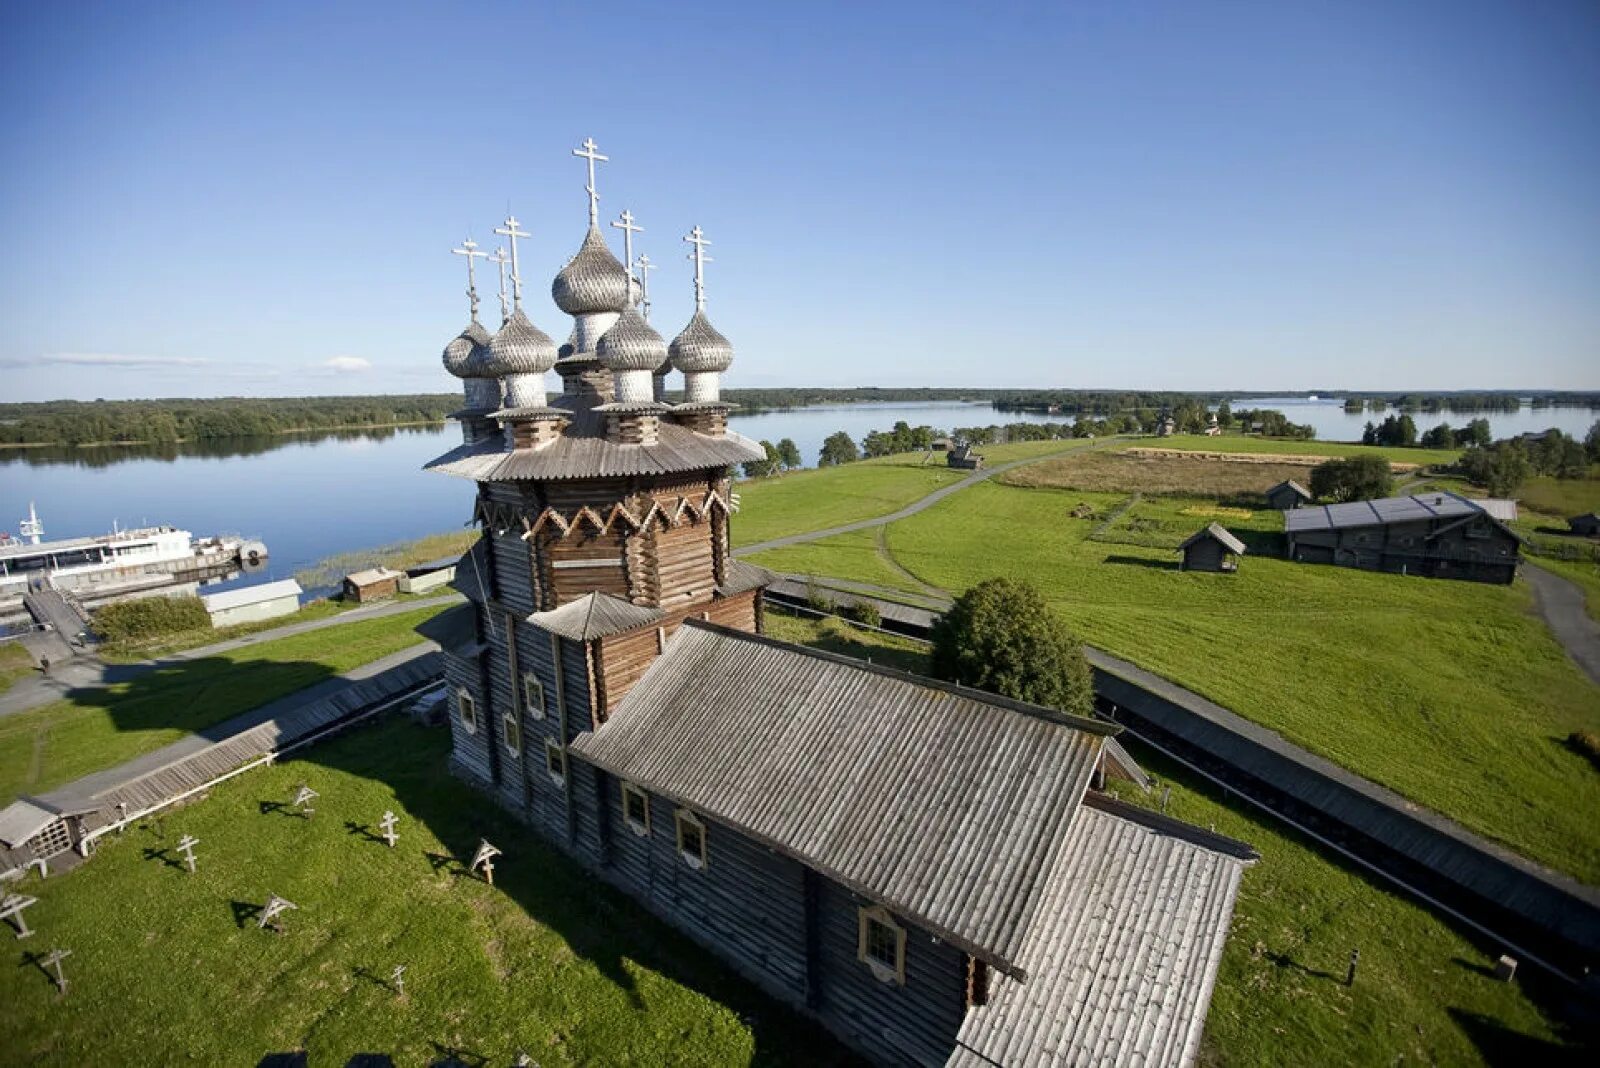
(592, 281)
(700, 347)
(631, 345)
(520, 348)
(458, 355)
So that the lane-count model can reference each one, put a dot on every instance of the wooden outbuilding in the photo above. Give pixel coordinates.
(1286, 495)
(374, 584)
(1443, 535)
(1212, 549)
(1586, 525)
(964, 458)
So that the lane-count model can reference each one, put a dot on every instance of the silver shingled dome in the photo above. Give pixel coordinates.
(592, 281)
(458, 355)
(631, 345)
(520, 348)
(701, 347)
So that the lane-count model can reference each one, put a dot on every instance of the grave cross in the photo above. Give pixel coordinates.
(645, 267)
(469, 249)
(697, 238)
(186, 846)
(270, 911)
(53, 960)
(587, 151)
(11, 909)
(484, 858)
(303, 798)
(387, 823)
(398, 978)
(513, 230)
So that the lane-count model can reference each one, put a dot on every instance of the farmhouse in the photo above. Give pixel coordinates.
(266, 601)
(1211, 549)
(924, 869)
(1288, 494)
(964, 458)
(1586, 525)
(374, 584)
(1442, 535)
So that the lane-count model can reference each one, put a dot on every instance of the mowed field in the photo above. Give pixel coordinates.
(96, 728)
(1241, 443)
(1451, 693)
(1130, 472)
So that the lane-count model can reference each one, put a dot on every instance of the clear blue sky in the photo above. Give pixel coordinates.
(200, 200)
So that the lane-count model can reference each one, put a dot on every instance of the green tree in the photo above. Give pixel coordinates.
(1001, 636)
(766, 466)
(1440, 437)
(1225, 415)
(1500, 468)
(1476, 433)
(1591, 443)
(1359, 478)
(789, 454)
(838, 448)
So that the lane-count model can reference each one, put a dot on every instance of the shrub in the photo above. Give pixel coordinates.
(150, 617)
(1359, 478)
(1586, 743)
(1001, 636)
(865, 612)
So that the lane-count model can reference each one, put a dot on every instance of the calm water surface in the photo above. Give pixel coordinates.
(313, 497)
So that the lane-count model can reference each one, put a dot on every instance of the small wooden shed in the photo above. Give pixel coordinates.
(964, 458)
(1586, 525)
(374, 584)
(1212, 549)
(1287, 495)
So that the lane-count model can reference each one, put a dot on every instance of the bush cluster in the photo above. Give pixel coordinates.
(150, 617)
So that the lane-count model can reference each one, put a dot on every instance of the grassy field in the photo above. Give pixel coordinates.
(169, 967)
(15, 663)
(1560, 498)
(1452, 693)
(1279, 446)
(98, 728)
(857, 551)
(1188, 476)
(399, 555)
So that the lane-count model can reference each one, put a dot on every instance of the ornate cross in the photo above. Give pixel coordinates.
(469, 249)
(53, 959)
(186, 846)
(697, 238)
(387, 823)
(645, 267)
(587, 151)
(624, 222)
(500, 259)
(511, 230)
(303, 798)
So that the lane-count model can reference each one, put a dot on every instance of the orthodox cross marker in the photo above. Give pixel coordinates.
(11, 909)
(484, 858)
(387, 823)
(53, 960)
(587, 151)
(186, 846)
(645, 267)
(624, 222)
(500, 259)
(511, 231)
(697, 238)
(270, 911)
(469, 249)
(303, 798)
(398, 979)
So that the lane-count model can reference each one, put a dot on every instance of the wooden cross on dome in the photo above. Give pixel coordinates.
(500, 259)
(697, 238)
(512, 230)
(469, 249)
(587, 151)
(624, 222)
(645, 267)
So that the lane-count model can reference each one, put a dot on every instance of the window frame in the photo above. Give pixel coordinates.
(555, 753)
(868, 917)
(535, 708)
(680, 818)
(513, 729)
(467, 710)
(642, 829)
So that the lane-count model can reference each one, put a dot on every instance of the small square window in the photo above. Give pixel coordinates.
(636, 809)
(691, 839)
(513, 733)
(467, 710)
(555, 762)
(881, 944)
(533, 695)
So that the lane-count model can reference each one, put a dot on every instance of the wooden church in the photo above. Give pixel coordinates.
(924, 869)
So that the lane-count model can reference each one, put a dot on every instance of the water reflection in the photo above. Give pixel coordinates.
(205, 449)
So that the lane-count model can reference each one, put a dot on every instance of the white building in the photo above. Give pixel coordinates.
(254, 603)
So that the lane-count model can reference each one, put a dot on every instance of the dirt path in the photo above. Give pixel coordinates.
(1561, 604)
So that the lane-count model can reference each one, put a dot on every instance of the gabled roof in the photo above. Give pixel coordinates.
(742, 576)
(267, 591)
(595, 615)
(944, 804)
(455, 630)
(372, 574)
(1387, 510)
(1123, 953)
(1289, 483)
(1215, 532)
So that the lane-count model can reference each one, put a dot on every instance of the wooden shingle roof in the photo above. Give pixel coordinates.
(944, 804)
(595, 615)
(1216, 532)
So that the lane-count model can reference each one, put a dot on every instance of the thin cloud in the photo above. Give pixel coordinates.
(114, 359)
(347, 364)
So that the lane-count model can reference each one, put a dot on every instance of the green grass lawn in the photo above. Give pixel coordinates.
(856, 551)
(15, 663)
(1561, 497)
(1451, 693)
(169, 967)
(98, 728)
(1284, 447)
(829, 496)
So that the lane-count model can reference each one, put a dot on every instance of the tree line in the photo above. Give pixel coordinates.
(169, 421)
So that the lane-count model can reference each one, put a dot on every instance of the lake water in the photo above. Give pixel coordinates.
(313, 497)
